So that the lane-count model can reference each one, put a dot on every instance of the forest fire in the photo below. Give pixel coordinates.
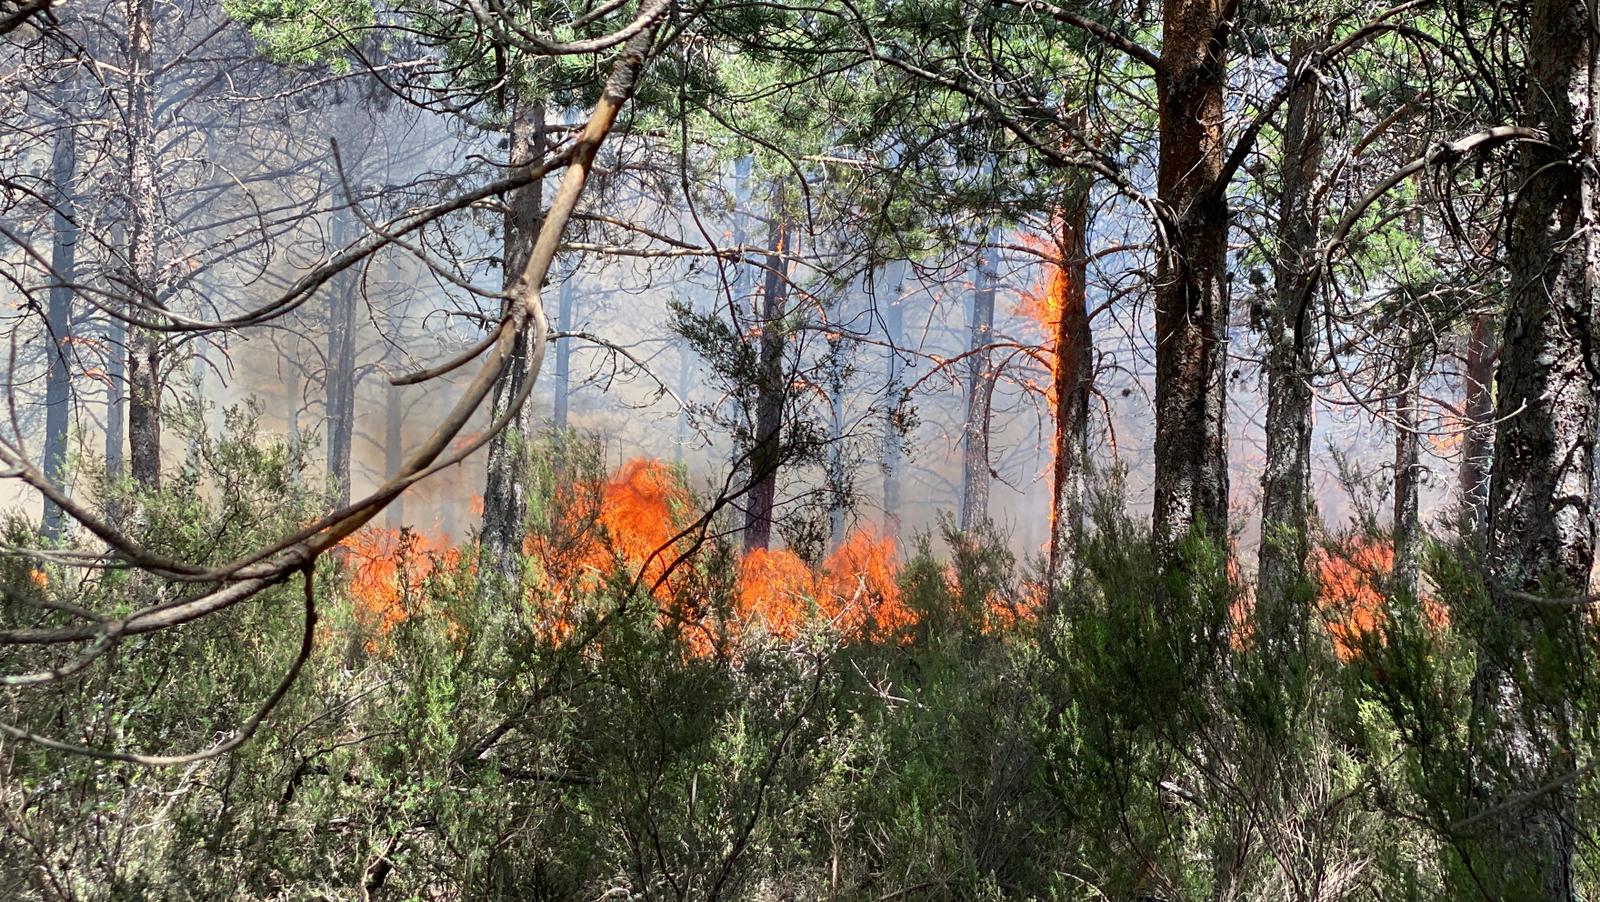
(774, 593)
(1352, 593)
(1044, 303)
(635, 513)
(388, 569)
(856, 589)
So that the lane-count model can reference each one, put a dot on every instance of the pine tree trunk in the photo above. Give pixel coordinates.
(1478, 407)
(339, 382)
(837, 466)
(1407, 467)
(892, 303)
(685, 390)
(294, 397)
(505, 504)
(1542, 518)
(563, 375)
(1074, 374)
(116, 407)
(1291, 344)
(394, 450)
(975, 470)
(1191, 293)
(771, 390)
(144, 353)
(58, 318)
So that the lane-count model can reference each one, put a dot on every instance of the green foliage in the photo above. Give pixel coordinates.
(304, 32)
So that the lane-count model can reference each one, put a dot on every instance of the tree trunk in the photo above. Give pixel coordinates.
(1541, 535)
(144, 353)
(837, 467)
(58, 318)
(894, 319)
(505, 504)
(1478, 409)
(116, 406)
(975, 470)
(685, 373)
(394, 450)
(1191, 294)
(563, 386)
(339, 382)
(1074, 374)
(1291, 346)
(1407, 466)
(772, 389)
(294, 395)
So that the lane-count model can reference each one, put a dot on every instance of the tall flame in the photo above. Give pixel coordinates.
(1044, 304)
(637, 512)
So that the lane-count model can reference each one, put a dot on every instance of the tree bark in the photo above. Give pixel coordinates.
(144, 352)
(1542, 518)
(394, 449)
(58, 318)
(837, 466)
(1191, 294)
(116, 407)
(1478, 408)
(563, 374)
(1291, 345)
(894, 318)
(771, 389)
(1407, 466)
(1074, 374)
(505, 504)
(975, 471)
(339, 381)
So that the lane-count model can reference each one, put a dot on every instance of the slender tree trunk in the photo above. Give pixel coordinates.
(294, 395)
(1478, 408)
(1542, 516)
(837, 468)
(772, 389)
(563, 386)
(685, 372)
(975, 470)
(894, 318)
(339, 382)
(394, 449)
(1074, 374)
(1407, 466)
(1291, 346)
(740, 287)
(505, 504)
(1191, 294)
(116, 404)
(58, 318)
(144, 353)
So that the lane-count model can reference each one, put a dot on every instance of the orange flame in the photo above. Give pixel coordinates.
(857, 589)
(1351, 580)
(775, 591)
(637, 512)
(1044, 304)
(389, 568)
